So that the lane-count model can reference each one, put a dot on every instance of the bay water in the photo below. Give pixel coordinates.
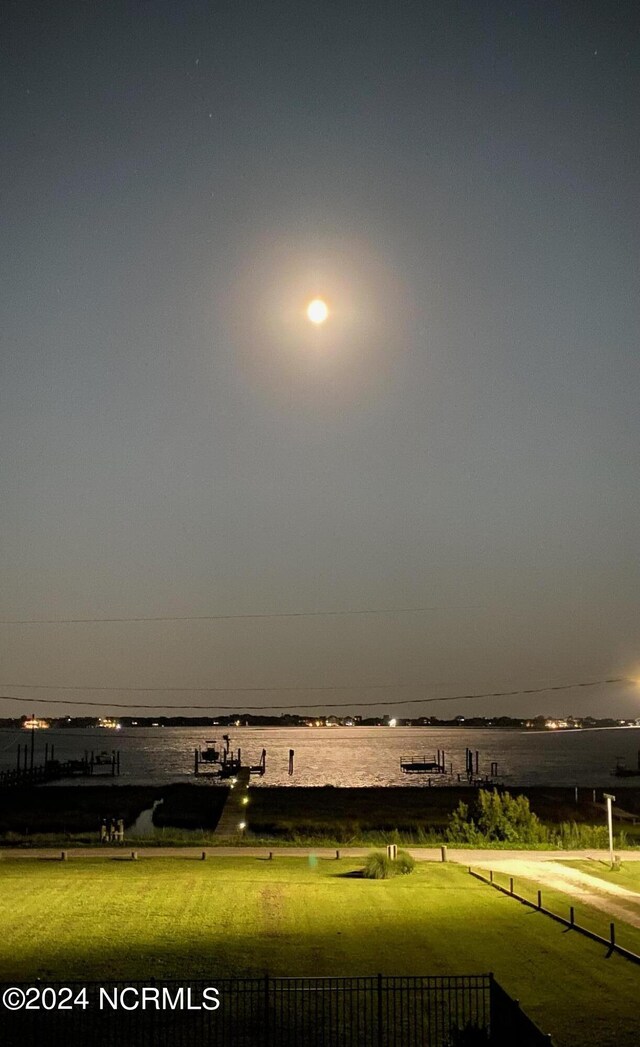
(347, 756)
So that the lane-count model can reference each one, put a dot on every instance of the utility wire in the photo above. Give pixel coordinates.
(222, 617)
(264, 709)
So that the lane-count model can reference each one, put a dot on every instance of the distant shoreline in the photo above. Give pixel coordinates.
(442, 725)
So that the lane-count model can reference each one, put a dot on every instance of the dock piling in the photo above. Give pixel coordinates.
(33, 736)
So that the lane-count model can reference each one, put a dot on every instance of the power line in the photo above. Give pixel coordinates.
(264, 709)
(222, 617)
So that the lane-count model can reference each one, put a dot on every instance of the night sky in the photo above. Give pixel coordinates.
(459, 181)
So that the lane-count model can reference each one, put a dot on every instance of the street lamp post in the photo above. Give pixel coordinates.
(610, 799)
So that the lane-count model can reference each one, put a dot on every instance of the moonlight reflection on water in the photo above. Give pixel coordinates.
(350, 756)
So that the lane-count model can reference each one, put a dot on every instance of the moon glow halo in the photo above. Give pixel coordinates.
(317, 311)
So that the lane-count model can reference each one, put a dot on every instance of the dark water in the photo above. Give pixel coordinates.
(344, 756)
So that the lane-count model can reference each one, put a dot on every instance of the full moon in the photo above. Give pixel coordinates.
(317, 311)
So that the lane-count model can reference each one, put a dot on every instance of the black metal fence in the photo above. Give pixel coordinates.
(379, 1011)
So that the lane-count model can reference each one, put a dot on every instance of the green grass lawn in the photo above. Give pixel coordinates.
(173, 917)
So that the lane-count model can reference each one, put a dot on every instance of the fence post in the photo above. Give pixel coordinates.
(380, 1036)
(266, 1010)
(498, 1019)
(572, 915)
(511, 885)
(539, 899)
(613, 935)
(490, 875)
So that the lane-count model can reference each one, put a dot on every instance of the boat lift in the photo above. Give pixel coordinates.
(424, 764)
(227, 761)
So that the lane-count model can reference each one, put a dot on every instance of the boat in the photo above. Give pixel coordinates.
(622, 771)
(211, 754)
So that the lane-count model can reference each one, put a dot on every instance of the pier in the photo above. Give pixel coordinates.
(27, 772)
(423, 764)
(233, 818)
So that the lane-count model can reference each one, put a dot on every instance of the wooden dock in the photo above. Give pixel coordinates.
(234, 812)
(423, 764)
(29, 773)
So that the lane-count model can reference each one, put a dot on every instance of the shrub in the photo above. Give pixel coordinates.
(496, 818)
(577, 836)
(379, 867)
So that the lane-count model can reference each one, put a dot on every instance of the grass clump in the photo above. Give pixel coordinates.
(379, 866)
(404, 863)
